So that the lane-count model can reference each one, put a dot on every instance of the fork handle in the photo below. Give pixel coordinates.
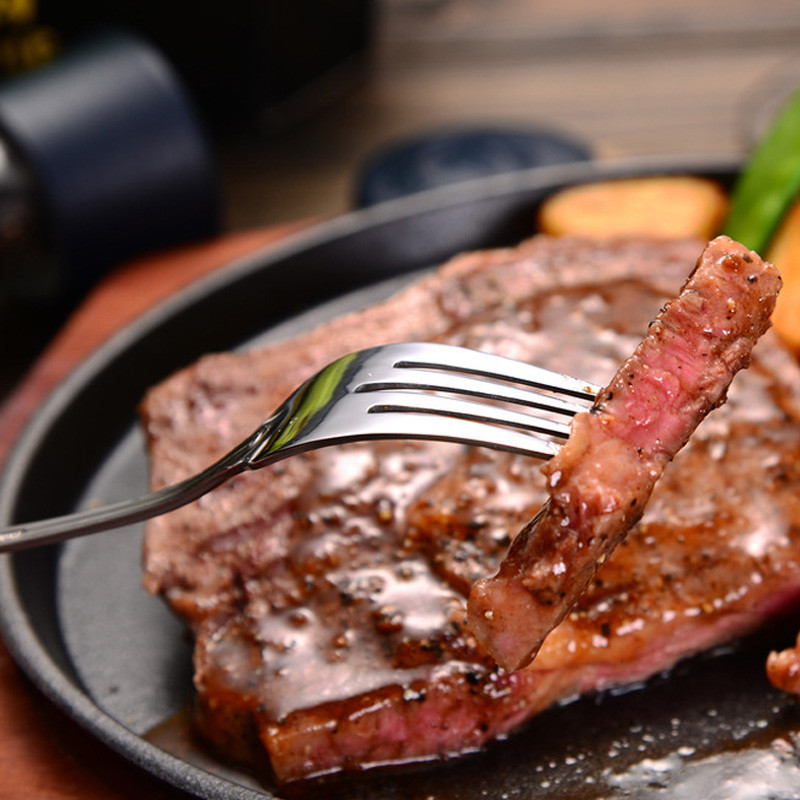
(126, 512)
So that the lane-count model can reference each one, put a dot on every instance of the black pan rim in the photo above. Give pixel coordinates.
(17, 626)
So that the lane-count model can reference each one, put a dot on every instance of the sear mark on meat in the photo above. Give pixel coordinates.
(600, 481)
(327, 595)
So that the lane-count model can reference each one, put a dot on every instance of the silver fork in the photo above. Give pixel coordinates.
(398, 391)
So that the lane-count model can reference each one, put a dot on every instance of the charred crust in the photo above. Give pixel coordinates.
(346, 598)
(473, 678)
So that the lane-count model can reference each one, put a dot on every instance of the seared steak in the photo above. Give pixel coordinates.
(327, 595)
(600, 481)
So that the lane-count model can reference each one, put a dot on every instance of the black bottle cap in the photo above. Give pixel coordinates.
(120, 158)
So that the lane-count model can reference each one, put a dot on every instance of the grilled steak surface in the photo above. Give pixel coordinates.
(600, 481)
(327, 594)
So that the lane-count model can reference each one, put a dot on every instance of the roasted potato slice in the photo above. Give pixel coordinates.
(662, 205)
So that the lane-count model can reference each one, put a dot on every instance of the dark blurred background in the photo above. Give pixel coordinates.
(298, 102)
(299, 93)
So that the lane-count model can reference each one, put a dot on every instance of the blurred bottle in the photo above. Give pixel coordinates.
(27, 266)
(102, 158)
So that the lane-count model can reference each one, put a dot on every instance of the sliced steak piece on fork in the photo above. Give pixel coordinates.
(601, 480)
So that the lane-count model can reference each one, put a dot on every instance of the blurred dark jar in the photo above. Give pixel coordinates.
(245, 62)
(102, 158)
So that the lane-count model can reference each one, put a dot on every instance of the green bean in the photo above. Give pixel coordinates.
(769, 182)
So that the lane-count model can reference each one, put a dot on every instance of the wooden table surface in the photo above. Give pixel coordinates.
(648, 78)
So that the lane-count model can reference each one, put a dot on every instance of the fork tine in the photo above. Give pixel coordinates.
(411, 378)
(409, 424)
(450, 407)
(460, 359)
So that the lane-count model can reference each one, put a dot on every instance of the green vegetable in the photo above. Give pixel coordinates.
(769, 182)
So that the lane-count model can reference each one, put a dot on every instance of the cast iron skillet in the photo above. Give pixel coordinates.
(78, 623)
